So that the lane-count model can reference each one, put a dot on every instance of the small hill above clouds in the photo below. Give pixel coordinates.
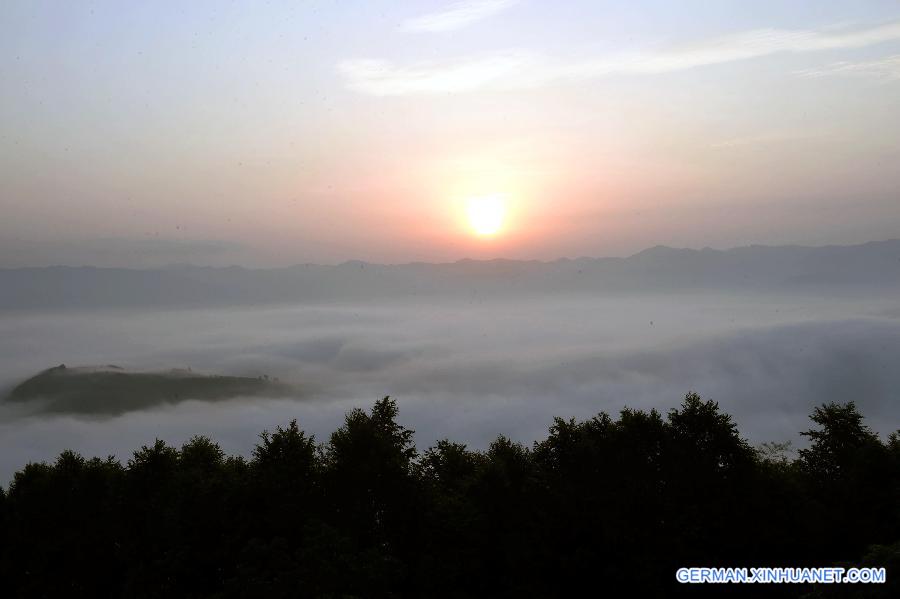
(111, 389)
(867, 268)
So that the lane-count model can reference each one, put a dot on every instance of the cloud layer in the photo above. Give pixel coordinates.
(468, 370)
(518, 68)
(456, 16)
(887, 69)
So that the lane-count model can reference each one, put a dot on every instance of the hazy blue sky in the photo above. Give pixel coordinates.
(284, 132)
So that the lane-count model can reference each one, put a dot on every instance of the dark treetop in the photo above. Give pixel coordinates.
(605, 507)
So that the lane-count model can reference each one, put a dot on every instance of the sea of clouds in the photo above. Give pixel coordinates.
(465, 369)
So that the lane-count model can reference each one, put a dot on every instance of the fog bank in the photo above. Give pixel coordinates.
(466, 368)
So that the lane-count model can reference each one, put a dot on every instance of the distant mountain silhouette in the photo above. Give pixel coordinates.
(113, 390)
(865, 268)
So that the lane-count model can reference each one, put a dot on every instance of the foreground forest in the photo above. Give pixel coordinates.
(611, 506)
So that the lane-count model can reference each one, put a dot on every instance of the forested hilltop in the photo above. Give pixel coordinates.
(614, 506)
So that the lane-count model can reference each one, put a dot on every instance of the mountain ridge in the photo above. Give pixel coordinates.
(861, 268)
(660, 249)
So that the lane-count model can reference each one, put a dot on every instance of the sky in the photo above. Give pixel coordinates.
(276, 133)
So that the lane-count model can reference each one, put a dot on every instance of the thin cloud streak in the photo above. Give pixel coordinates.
(884, 68)
(457, 16)
(382, 78)
(520, 69)
(770, 137)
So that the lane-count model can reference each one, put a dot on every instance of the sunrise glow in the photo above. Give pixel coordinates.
(486, 214)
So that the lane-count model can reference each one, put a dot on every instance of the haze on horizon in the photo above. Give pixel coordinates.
(268, 135)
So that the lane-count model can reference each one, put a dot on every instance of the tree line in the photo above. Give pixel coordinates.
(609, 505)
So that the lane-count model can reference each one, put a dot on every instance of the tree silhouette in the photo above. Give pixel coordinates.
(846, 466)
(608, 505)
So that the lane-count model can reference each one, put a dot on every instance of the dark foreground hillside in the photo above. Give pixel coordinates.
(606, 507)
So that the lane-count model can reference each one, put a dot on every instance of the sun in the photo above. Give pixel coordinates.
(486, 214)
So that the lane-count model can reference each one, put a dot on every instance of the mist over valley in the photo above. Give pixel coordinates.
(469, 349)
